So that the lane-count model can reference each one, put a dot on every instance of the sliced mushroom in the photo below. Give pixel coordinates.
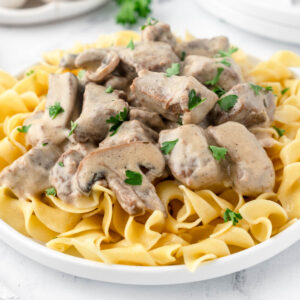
(62, 91)
(99, 63)
(29, 174)
(98, 106)
(68, 61)
(112, 163)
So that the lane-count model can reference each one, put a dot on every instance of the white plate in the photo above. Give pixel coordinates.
(48, 12)
(160, 275)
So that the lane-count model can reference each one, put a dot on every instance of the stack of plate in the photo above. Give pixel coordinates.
(276, 19)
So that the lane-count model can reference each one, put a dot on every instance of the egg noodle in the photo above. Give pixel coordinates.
(194, 230)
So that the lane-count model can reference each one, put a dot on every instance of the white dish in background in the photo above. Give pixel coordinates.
(280, 23)
(48, 12)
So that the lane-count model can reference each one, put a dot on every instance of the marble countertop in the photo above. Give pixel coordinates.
(21, 278)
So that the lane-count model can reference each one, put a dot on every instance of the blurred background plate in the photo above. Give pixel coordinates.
(276, 19)
(37, 12)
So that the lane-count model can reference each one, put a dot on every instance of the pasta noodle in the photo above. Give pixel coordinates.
(194, 230)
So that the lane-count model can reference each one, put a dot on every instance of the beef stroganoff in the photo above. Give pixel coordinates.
(145, 149)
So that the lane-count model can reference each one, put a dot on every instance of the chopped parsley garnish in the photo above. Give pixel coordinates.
(183, 55)
(256, 88)
(150, 22)
(117, 121)
(131, 44)
(61, 164)
(284, 91)
(73, 127)
(81, 74)
(228, 53)
(179, 120)
(230, 215)
(219, 91)
(215, 80)
(51, 192)
(269, 88)
(44, 144)
(55, 110)
(168, 146)
(279, 131)
(109, 90)
(218, 152)
(225, 62)
(133, 178)
(174, 70)
(194, 100)
(24, 128)
(131, 10)
(226, 103)
(30, 72)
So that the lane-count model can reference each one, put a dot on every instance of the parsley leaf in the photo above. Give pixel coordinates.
(228, 53)
(109, 90)
(142, 7)
(279, 131)
(117, 121)
(218, 152)
(130, 45)
(284, 91)
(174, 70)
(51, 192)
(230, 215)
(61, 164)
(215, 80)
(55, 110)
(168, 146)
(24, 128)
(226, 103)
(73, 127)
(150, 22)
(225, 62)
(133, 178)
(127, 13)
(269, 89)
(219, 91)
(194, 100)
(256, 88)
(44, 144)
(81, 74)
(183, 55)
(30, 72)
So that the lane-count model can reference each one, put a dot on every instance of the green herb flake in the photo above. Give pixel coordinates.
(117, 121)
(131, 44)
(174, 70)
(279, 131)
(30, 72)
(73, 127)
(219, 91)
(284, 91)
(51, 192)
(109, 90)
(55, 110)
(215, 80)
(227, 103)
(133, 178)
(227, 53)
(168, 146)
(218, 152)
(225, 62)
(269, 89)
(81, 74)
(194, 100)
(256, 88)
(179, 121)
(61, 164)
(183, 55)
(44, 144)
(150, 22)
(24, 128)
(230, 215)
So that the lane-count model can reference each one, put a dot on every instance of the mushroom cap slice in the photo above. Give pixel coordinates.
(112, 163)
(99, 63)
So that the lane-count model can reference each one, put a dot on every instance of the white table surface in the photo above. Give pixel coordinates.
(21, 278)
